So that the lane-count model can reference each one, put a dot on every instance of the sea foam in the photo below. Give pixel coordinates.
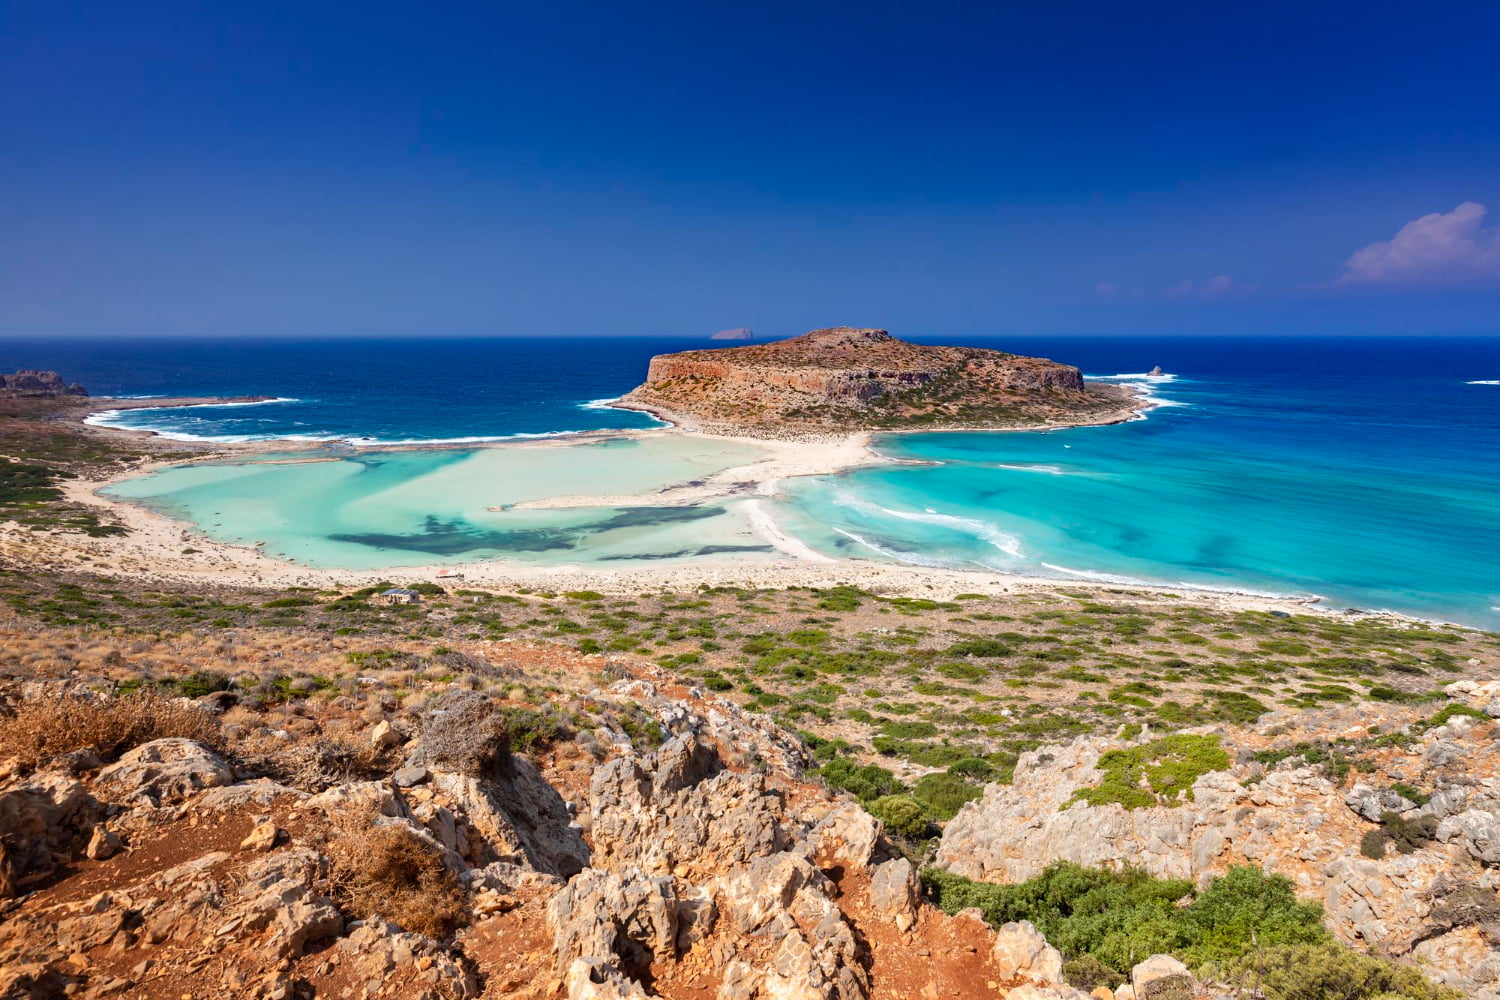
(1007, 543)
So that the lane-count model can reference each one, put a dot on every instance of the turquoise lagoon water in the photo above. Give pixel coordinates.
(382, 508)
(1363, 470)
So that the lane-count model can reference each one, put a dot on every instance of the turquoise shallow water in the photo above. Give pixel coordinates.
(1366, 470)
(408, 508)
(1226, 489)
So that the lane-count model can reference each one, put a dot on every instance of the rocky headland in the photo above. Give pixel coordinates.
(43, 384)
(841, 380)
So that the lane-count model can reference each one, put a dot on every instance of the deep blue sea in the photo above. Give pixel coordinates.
(1366, 471)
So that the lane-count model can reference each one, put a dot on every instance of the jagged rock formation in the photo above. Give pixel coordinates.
(30, 382)
(703, 867)
(1436, 902)
(842, 379)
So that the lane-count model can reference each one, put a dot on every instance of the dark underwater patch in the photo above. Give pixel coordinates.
(642, 517)
(448, 538)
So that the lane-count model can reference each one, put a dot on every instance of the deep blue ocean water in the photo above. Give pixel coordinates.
(1363, 470)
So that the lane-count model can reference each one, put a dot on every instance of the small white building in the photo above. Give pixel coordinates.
(398, 595)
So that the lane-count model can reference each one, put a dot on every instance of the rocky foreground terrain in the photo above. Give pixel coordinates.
(841, 380)
(512, 819)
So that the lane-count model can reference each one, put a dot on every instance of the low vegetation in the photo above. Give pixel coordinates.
(1104, 921)
(385, 870)
(44, 729)
(1168, 767)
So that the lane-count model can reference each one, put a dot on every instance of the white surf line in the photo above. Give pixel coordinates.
(1483, 381)
(763, 525)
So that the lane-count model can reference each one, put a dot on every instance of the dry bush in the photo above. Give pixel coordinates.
(44, 728)
(463, 731)
(389, 871)
(315, 764)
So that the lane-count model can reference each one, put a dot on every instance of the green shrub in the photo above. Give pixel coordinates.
(901, 814)
(943, 794)
(1406, 835)
(1106, 920)
(1323, 970)
(865, 782)
(1169, 767)
(202, 682)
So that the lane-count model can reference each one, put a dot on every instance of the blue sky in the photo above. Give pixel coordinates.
(671, 168)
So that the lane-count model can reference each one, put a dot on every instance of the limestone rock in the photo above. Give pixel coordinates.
(1162, 977)
(626, 919)
(893, 892)
(594, 979)
(165, 771)
(513, 814)
(262, 837)
(385, 735)
(104, 844)
(45, 816)
(659, 819)
(377, 951)
(848, 834)
(1021, 950)
(1372, 803)
(774, 900)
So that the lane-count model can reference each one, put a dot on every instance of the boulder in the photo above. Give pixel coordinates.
(514, 814)
(893, 893)
(164, 772)
(1372, 803)
(1021, 950)
(594, 979)
(385, 735)
(1162, 977)
(262, 837)
(45, 817)
(725, 819)
(847, 835)
(627, 920)
(104, 844)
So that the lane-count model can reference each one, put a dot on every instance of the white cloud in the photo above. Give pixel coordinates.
(1218, 287)
(1451, 248)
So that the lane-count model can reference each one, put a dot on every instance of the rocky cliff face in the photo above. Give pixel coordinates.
(29, 382)
(1431, 896)
(843, 379)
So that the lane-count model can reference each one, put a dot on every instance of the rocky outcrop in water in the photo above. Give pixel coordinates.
(843, 379)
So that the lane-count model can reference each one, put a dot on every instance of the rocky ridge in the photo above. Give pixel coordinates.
(843, 379)
(45, 384)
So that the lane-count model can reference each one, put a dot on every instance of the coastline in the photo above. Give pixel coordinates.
(161, 549)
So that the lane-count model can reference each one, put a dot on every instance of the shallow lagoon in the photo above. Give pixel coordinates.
(373, 509)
